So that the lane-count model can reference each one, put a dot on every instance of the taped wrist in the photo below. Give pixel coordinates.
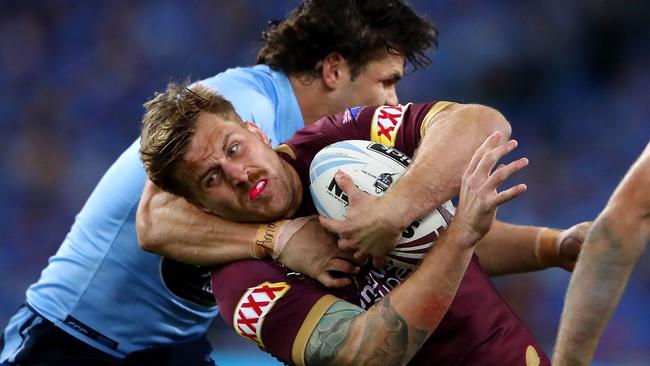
(266, 238)
(288, 229)
(547, 248)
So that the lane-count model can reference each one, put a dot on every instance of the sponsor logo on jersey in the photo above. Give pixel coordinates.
(253, 307)
(386, 122)
(350, 114)
(374, 283)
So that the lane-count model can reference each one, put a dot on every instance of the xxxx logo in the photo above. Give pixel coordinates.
(253, 306)
(386, 122)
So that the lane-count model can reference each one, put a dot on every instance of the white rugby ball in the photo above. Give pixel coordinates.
(374, 168)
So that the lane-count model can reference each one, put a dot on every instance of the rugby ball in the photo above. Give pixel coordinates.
(374, 168)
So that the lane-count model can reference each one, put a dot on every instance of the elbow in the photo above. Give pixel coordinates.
(474, 123)
(144, 227)
(624, 238)
(489, 120)
(144, 231)
(153, 204)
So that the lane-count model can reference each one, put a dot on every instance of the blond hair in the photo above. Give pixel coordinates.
(168, 126)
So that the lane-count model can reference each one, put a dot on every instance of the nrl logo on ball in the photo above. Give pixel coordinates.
(384, 180)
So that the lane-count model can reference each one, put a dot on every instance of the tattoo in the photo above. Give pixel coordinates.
(330, 333)
(383, 336)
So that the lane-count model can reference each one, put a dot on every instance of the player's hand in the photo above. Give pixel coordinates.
(569, 244)
(479, 199)
(369, 229)
(312, 251)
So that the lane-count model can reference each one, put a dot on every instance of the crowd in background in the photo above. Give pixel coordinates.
(573, 79)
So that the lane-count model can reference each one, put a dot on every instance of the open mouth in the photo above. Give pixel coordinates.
(257, 190)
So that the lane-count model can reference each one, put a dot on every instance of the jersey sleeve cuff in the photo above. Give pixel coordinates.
(435, 109)
(307, 327)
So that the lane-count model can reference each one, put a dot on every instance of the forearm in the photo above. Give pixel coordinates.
(170, 226)
(443, 153)
(595, 289)
(613, 246)
(509, 249)
(394, 329)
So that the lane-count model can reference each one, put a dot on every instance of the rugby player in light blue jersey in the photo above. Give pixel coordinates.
(104, 300)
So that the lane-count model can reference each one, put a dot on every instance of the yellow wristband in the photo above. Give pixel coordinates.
(547, 249)
(262, 246)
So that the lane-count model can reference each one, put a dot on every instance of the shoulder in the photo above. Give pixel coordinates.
(244, 89)
(119, 190)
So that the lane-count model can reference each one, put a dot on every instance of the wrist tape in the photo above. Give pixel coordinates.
(265, 239)
(271, 238)
(547, 248)
(287, 230)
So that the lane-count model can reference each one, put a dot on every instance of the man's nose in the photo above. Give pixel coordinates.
(391, 97)
(235, 172)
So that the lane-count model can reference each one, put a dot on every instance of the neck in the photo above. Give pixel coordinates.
(296, 184)
(313, 98)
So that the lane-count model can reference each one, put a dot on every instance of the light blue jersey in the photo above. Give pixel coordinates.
(101, 288)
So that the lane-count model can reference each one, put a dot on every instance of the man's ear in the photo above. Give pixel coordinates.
(250, 126)
(335, 68)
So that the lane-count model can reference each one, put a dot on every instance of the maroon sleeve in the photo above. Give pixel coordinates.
(265, 304)
(396, 126)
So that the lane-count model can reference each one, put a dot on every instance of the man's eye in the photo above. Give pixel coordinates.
(233, 149)
(210, 180)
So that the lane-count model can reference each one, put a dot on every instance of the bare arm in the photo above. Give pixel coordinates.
(394, 329)
(509, 248)
(615, 242)
(452, 136)
(170, 226)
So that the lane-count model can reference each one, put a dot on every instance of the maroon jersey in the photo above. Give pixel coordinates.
(278, 310)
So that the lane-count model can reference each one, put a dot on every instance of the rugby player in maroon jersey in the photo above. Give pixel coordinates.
(228, 167)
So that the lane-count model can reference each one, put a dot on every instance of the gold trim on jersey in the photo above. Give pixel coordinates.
(437, 108)
(284, 148)
(386, 121)
(532, 357)
(308, 325)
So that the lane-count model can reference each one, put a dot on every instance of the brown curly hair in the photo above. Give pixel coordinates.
(360, 30)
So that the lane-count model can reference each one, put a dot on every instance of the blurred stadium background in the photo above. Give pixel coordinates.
(572, 77)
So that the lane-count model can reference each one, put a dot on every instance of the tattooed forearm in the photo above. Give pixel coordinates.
(386, 338)
(381, 336)
(330, 333)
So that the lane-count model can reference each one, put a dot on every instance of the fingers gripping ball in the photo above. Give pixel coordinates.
(374, 168)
